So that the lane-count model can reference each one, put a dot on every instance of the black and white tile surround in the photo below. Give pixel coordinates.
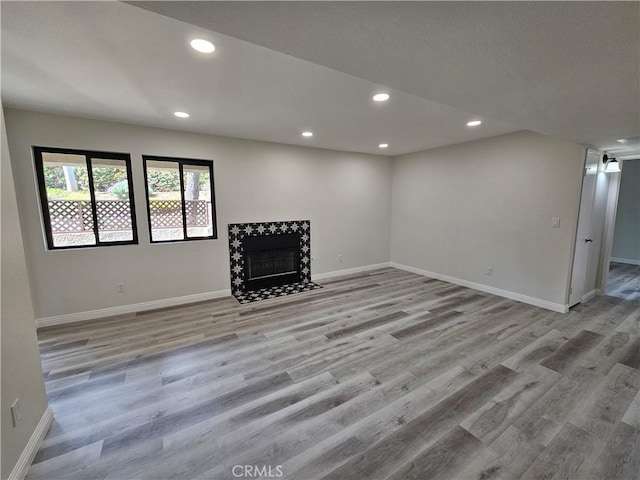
(238, 231)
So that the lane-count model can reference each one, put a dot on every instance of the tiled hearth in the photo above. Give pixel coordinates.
(239, 231)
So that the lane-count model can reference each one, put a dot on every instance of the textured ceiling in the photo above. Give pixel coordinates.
(566, 69)
(570, 69)
(113, 61)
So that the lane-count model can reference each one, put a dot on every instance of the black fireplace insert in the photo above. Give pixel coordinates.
(271, 260)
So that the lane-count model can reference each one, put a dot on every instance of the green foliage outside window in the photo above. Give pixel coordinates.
(103, 177)
(106, 178)
(120, 190)
(160, 181)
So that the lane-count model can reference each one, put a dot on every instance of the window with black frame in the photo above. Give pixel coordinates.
(180, 199)
(86, 197)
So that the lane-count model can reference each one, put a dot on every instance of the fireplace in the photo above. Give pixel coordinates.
(270, 259)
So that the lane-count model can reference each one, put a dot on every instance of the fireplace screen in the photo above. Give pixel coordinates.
(271, 260)
(271, 263)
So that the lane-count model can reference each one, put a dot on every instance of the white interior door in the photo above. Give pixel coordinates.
(583, 240)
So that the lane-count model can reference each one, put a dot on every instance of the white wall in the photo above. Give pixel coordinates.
(460, 210)
(626, 236)
(346, 196)
(21, 369)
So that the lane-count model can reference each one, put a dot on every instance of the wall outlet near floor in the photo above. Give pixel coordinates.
(340, 258)
(121, 287)
(16, 414)
(555, 223)
(490, 272)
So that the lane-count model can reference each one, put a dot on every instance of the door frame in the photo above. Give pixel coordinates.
(577, 279)
(610, 223)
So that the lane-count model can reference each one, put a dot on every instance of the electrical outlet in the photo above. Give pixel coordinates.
(555, 223)
(340, 258)
(16, 414)
(490, 272)
(121, 287)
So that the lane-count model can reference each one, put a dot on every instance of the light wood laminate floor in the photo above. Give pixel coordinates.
(385, 375)
(624, 281)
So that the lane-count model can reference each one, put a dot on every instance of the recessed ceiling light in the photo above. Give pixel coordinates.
(202, 46)
(181, 114)
(381, 97)
(307, 134)
(622, 140)
(383, 145)
(473, 123)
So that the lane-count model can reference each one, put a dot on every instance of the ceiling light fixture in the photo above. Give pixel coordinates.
(383, 145)
(474, 123)
(181, 114)
(307, 134)
(202, 46)
(611, 164)
(381, 97)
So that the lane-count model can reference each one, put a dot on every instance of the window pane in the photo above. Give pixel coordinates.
(68, 199)
(197, 195)
(165, 202)
(113, 204)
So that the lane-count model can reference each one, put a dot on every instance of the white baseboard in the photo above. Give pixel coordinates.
(201, 297)
(628, 261)
(556, 307)
(31, 448)
(172, 302)
(133, 308)
(589, 295)
(349, 271)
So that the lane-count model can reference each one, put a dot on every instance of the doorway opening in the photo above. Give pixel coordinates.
(623, 275)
